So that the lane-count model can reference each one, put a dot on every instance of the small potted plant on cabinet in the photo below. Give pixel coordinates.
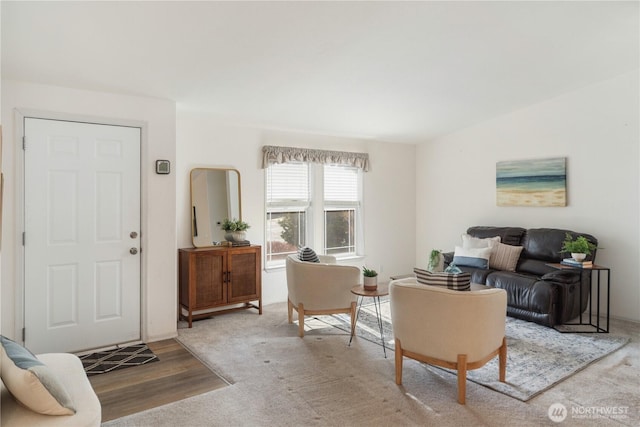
(579, 247)
(370, 279)
(235, 229)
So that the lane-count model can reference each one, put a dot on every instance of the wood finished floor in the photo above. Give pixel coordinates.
(176, 376)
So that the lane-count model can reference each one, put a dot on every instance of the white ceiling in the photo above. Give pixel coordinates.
(394, 71)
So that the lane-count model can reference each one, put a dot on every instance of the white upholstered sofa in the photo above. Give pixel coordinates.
(69, 371)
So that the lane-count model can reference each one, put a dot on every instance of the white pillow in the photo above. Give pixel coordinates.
(505, 257)
(469, 242)
(472, 257)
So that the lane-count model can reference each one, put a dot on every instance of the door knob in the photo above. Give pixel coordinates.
(133, 234)
(133, 251)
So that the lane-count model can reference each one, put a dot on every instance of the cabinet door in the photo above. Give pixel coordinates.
(245, 273)
(209, 281)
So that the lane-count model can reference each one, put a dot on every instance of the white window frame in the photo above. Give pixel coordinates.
(356, 205)
(287, 205)
(315, 215)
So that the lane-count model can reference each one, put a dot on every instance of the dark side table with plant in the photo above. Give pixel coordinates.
(580, 248)
(592, 328)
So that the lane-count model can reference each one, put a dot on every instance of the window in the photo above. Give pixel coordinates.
(300, 193)
(341, 205)
(288, 202)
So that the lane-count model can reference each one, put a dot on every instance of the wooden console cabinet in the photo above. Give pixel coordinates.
(211, 278)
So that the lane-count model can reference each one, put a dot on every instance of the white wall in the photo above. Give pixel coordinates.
(1, 170)
(158, 235)
(595, 128)
(388, 195)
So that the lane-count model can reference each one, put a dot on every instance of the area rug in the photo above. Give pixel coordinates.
(537, 357)
(119, 358)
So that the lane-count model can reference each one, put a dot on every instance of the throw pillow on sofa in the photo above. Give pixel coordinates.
(472, 257)
(307, 254)
(470, 242)
(31, 382)
(457, 282)
(505, 257)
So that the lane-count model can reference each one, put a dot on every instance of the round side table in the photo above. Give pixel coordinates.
(382, 290)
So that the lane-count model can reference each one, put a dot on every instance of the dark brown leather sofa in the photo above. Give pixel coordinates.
(535, 291)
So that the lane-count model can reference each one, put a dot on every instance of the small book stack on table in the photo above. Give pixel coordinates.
(573, 263)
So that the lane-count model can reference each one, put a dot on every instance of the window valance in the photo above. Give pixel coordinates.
(272, 154)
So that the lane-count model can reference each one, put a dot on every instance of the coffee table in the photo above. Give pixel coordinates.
(382, 290)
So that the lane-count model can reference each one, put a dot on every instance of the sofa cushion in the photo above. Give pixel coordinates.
(545, 243)
(508, 235)
(505, 257)
(534, 266)
(307, 254)
(31, 382)
(472, 257)
(525, 292)
(457, 282)
(478, 275)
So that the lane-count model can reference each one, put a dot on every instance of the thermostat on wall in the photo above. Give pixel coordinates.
(163, 167)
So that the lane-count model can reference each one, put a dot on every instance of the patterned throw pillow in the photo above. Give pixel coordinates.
(472, 257)
(505, 257)
(307, 254)
(457, 282)
(31, 382)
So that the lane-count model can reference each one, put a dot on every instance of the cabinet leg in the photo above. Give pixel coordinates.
(188, 317)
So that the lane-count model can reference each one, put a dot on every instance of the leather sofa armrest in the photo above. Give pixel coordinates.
(562, 276)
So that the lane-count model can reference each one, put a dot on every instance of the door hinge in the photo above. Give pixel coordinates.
(24, 142)
(23, 238)
(24, 334)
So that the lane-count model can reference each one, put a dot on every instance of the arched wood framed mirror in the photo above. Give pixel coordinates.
(215, 195)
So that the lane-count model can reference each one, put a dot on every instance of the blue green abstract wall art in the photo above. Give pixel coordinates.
(537, 182)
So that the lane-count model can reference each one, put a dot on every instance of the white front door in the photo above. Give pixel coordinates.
(82, 235)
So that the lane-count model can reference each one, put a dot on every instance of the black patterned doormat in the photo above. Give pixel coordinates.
(119, 358)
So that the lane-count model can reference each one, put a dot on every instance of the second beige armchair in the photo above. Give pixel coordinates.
(452, 329)
(320, 288)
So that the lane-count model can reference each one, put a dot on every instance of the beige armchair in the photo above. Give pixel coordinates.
(453, 329)
(69, 371)
(320, 288)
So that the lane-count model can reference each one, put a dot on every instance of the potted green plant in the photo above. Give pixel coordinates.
(235, 229)
(579, 247)
(436, 261)
(370, 279)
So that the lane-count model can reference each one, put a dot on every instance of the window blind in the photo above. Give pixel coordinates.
(340, 184)
(287, 182)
